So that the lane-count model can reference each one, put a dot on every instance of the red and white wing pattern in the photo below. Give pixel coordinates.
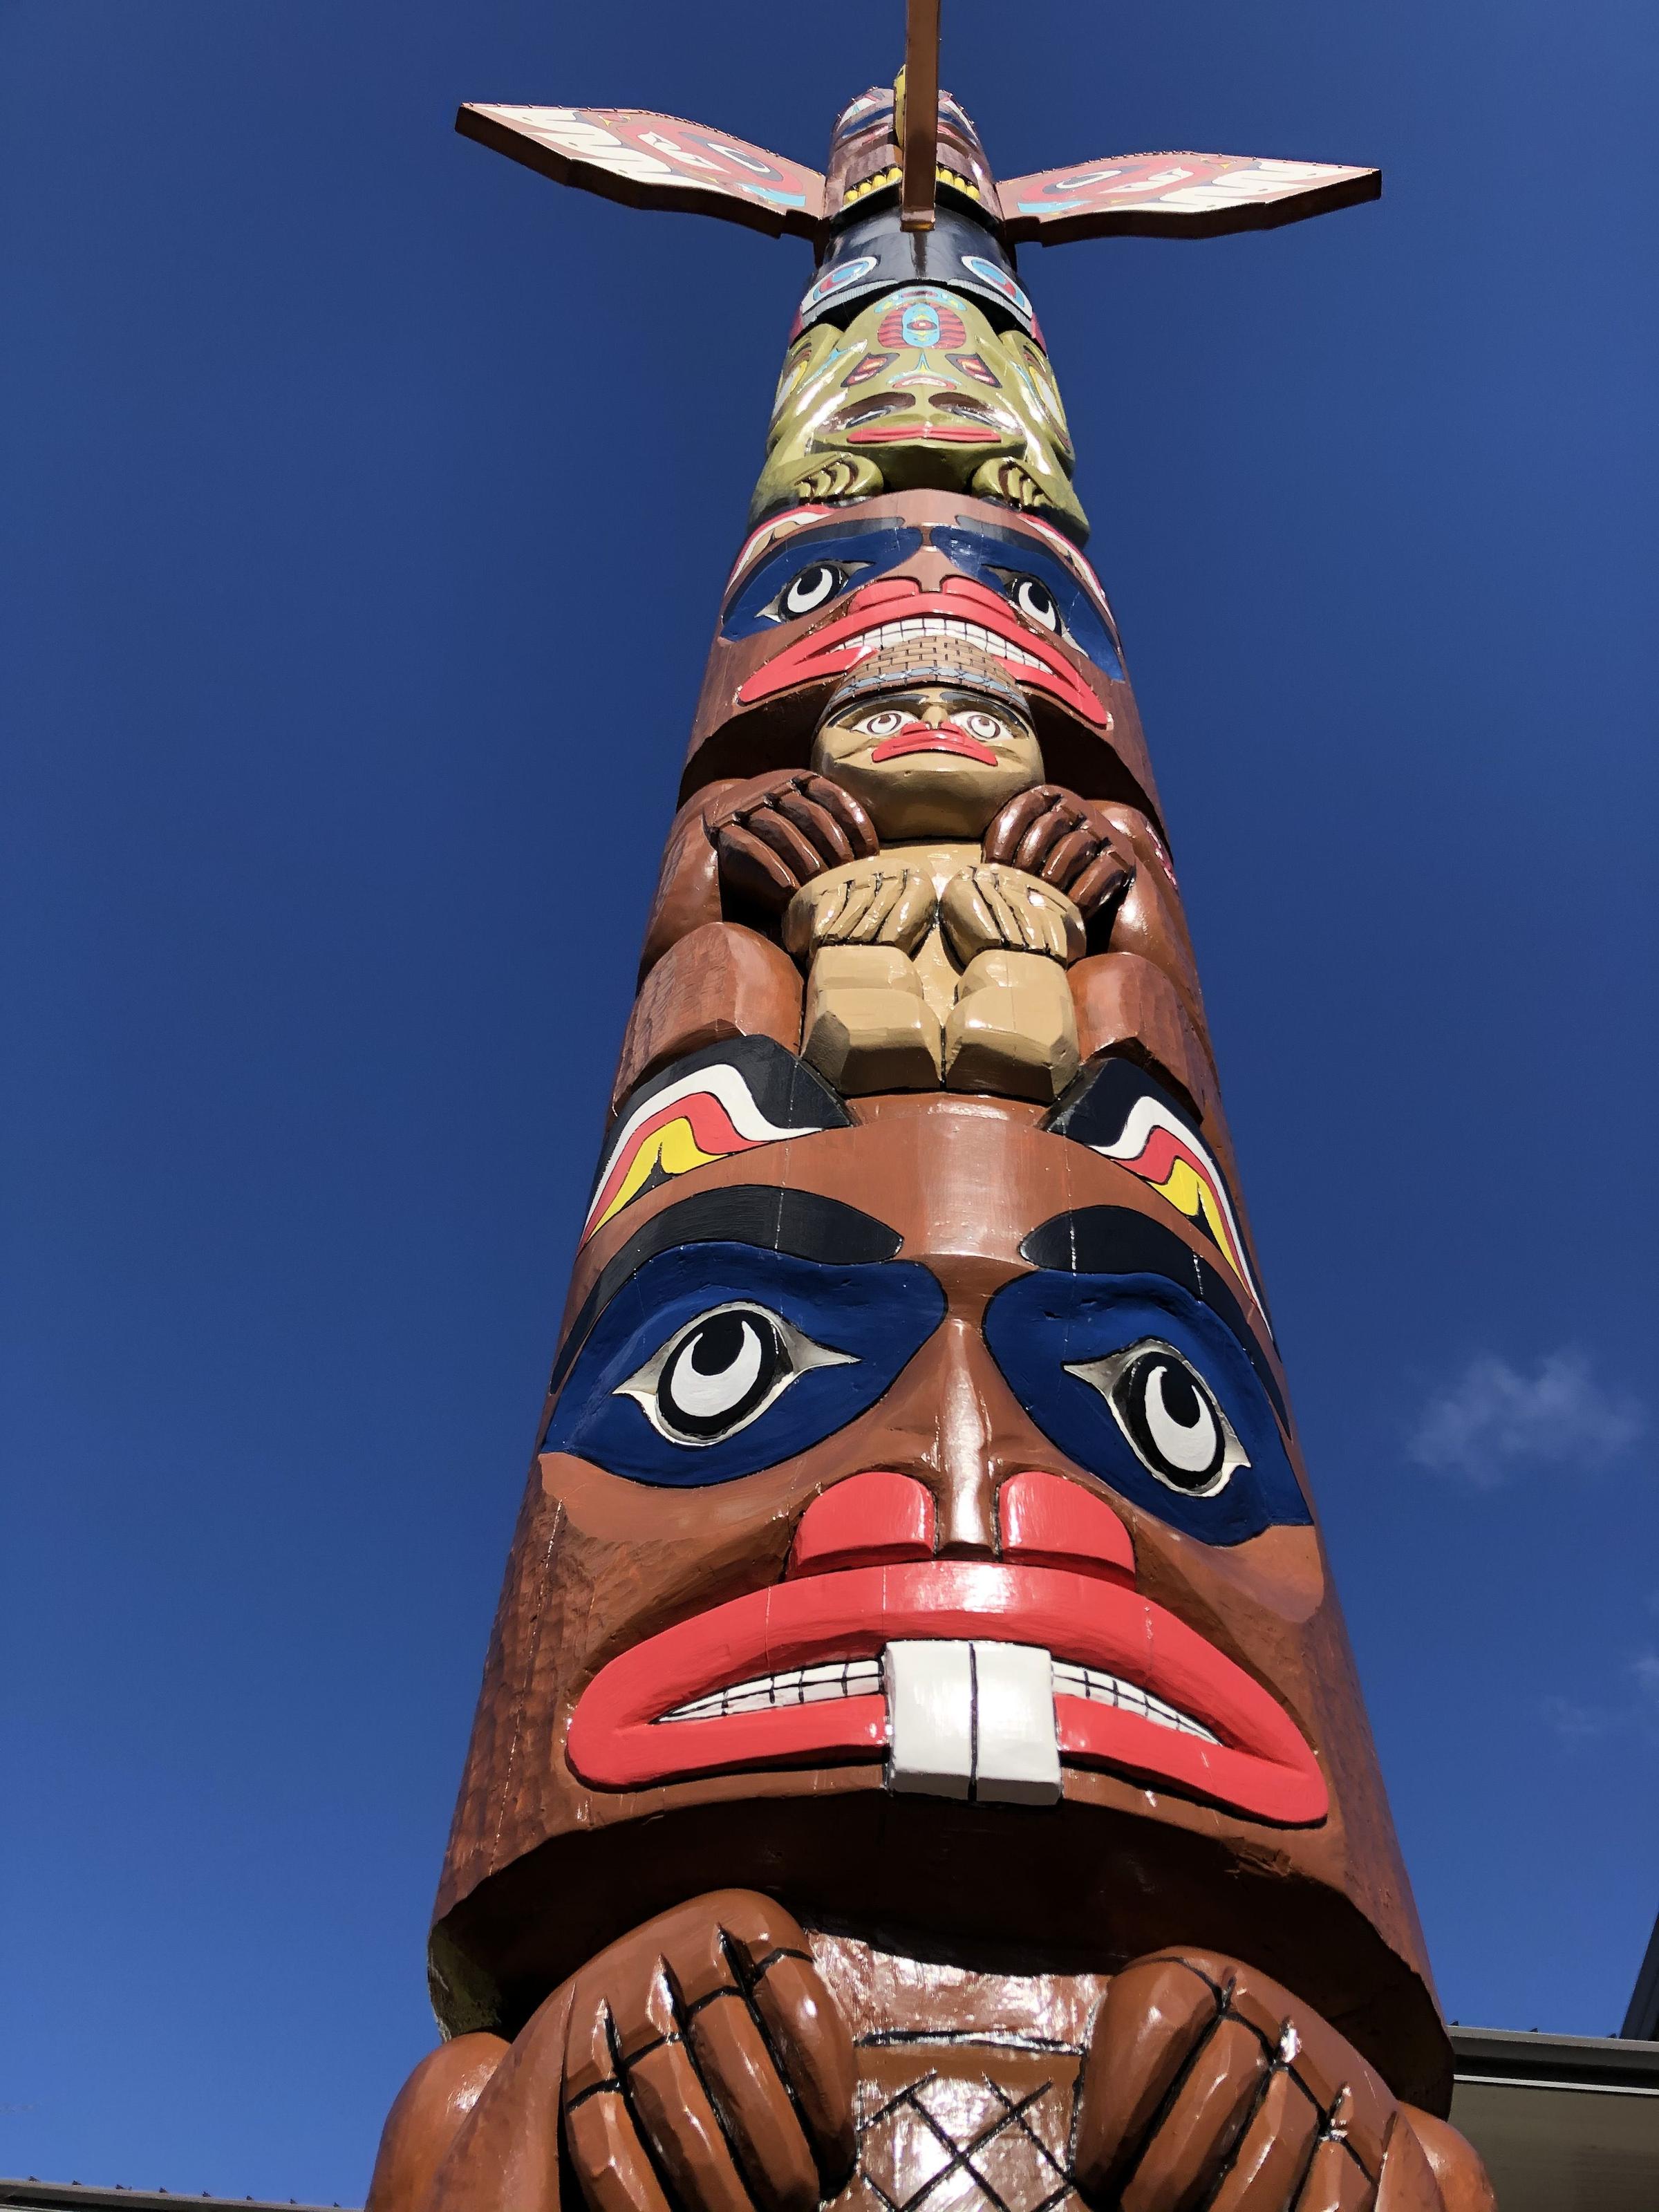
(1176, 196)
(649, 160)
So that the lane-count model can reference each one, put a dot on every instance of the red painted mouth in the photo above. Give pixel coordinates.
(925, 433)
(895, 609)
(1226, 1739)
(943, 739)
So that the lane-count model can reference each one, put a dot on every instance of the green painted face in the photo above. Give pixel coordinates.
(919, 392)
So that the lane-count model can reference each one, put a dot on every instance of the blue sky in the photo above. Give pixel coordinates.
(368, 502)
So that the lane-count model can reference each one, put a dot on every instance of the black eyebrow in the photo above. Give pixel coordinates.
(1114, 1240)
(800, 1222)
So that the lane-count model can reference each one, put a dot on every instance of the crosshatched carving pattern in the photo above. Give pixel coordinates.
(962, 2127)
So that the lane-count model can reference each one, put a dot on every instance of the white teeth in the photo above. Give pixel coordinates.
(972, 1720)
(964, 1720)
(800, 1685)
(872, 641)
(1102, 1689)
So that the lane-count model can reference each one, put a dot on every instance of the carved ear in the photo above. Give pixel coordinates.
(648, 160)
(1176, 196)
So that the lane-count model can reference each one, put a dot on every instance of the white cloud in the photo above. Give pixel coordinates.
(1576, 1723)
(1494, 1419)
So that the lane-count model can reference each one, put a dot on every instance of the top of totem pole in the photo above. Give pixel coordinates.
(903, 147)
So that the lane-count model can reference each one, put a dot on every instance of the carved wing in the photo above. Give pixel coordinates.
(1176, 196)
(648, 160)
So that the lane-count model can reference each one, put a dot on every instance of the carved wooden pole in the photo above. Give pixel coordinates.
(919, 1760)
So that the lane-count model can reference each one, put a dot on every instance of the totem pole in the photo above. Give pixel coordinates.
(919, 1760)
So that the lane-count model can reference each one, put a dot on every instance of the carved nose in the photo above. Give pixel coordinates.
(874, 1520)
(1047, 1521)
(882, 1519)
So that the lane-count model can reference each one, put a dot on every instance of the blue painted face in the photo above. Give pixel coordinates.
(716, 1360)
(1037, 583)
(1137, 1381)
(813, 569)
(815, 566)
(745, 1326)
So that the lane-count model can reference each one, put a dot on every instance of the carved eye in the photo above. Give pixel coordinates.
(814, 587)
(1035, 601)
(881, 725)
(982, 726)
(721, 1371)
(1169, 1415)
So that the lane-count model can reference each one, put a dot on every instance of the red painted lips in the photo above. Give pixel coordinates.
(961, 608)
(919, 738)
(1259, 1764)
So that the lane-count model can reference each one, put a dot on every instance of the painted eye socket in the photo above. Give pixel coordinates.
(1033, 598)
(814, 587)
(982, 726)
(721, 1371)
(881, 725)
(1169, 1415)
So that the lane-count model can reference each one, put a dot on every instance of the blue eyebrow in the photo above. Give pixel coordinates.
(879, 1313)
(982, 546)
(1041, 1324)
(876, 545)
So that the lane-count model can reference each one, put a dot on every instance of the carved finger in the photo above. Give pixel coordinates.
(1336, 2181)
(753, 869)
(671, 2107)
(611, 2161)
(1156, 2013)
(1044, 833)
(1011, 823)
(1101, 881)
(1274, 2154)
(856, 825)
(862, 894)
(817, 825)
(874, 901)
(1458, 2173)
(771, 2147)
(967, 921)
(1012, 928)
(1193, 2140)
(803, 2026)
(1409, 2182)
(913, 913)
(773, 829)
(1069, 855)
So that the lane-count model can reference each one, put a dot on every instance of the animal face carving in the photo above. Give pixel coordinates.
(920, 392)
(818, 589)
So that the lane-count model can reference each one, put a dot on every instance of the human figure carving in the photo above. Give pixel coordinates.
(933, 885)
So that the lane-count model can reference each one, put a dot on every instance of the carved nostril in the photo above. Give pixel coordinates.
(1047, 1521)
(871, 1520)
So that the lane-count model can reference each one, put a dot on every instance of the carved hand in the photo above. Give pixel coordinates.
(773, 833)
(991, 907)
(1206, 2082)
(869, 903)
(707, 2066)
(1052, 833)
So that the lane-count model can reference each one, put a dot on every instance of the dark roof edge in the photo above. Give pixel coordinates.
(1609, 2062)
(78, 2197)
(1643, 2018)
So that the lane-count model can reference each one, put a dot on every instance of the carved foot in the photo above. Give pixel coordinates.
(867, 1026)
(1012, 1030)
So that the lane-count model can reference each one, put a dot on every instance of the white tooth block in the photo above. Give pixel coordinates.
(930, 1719)
(1017, 1754)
